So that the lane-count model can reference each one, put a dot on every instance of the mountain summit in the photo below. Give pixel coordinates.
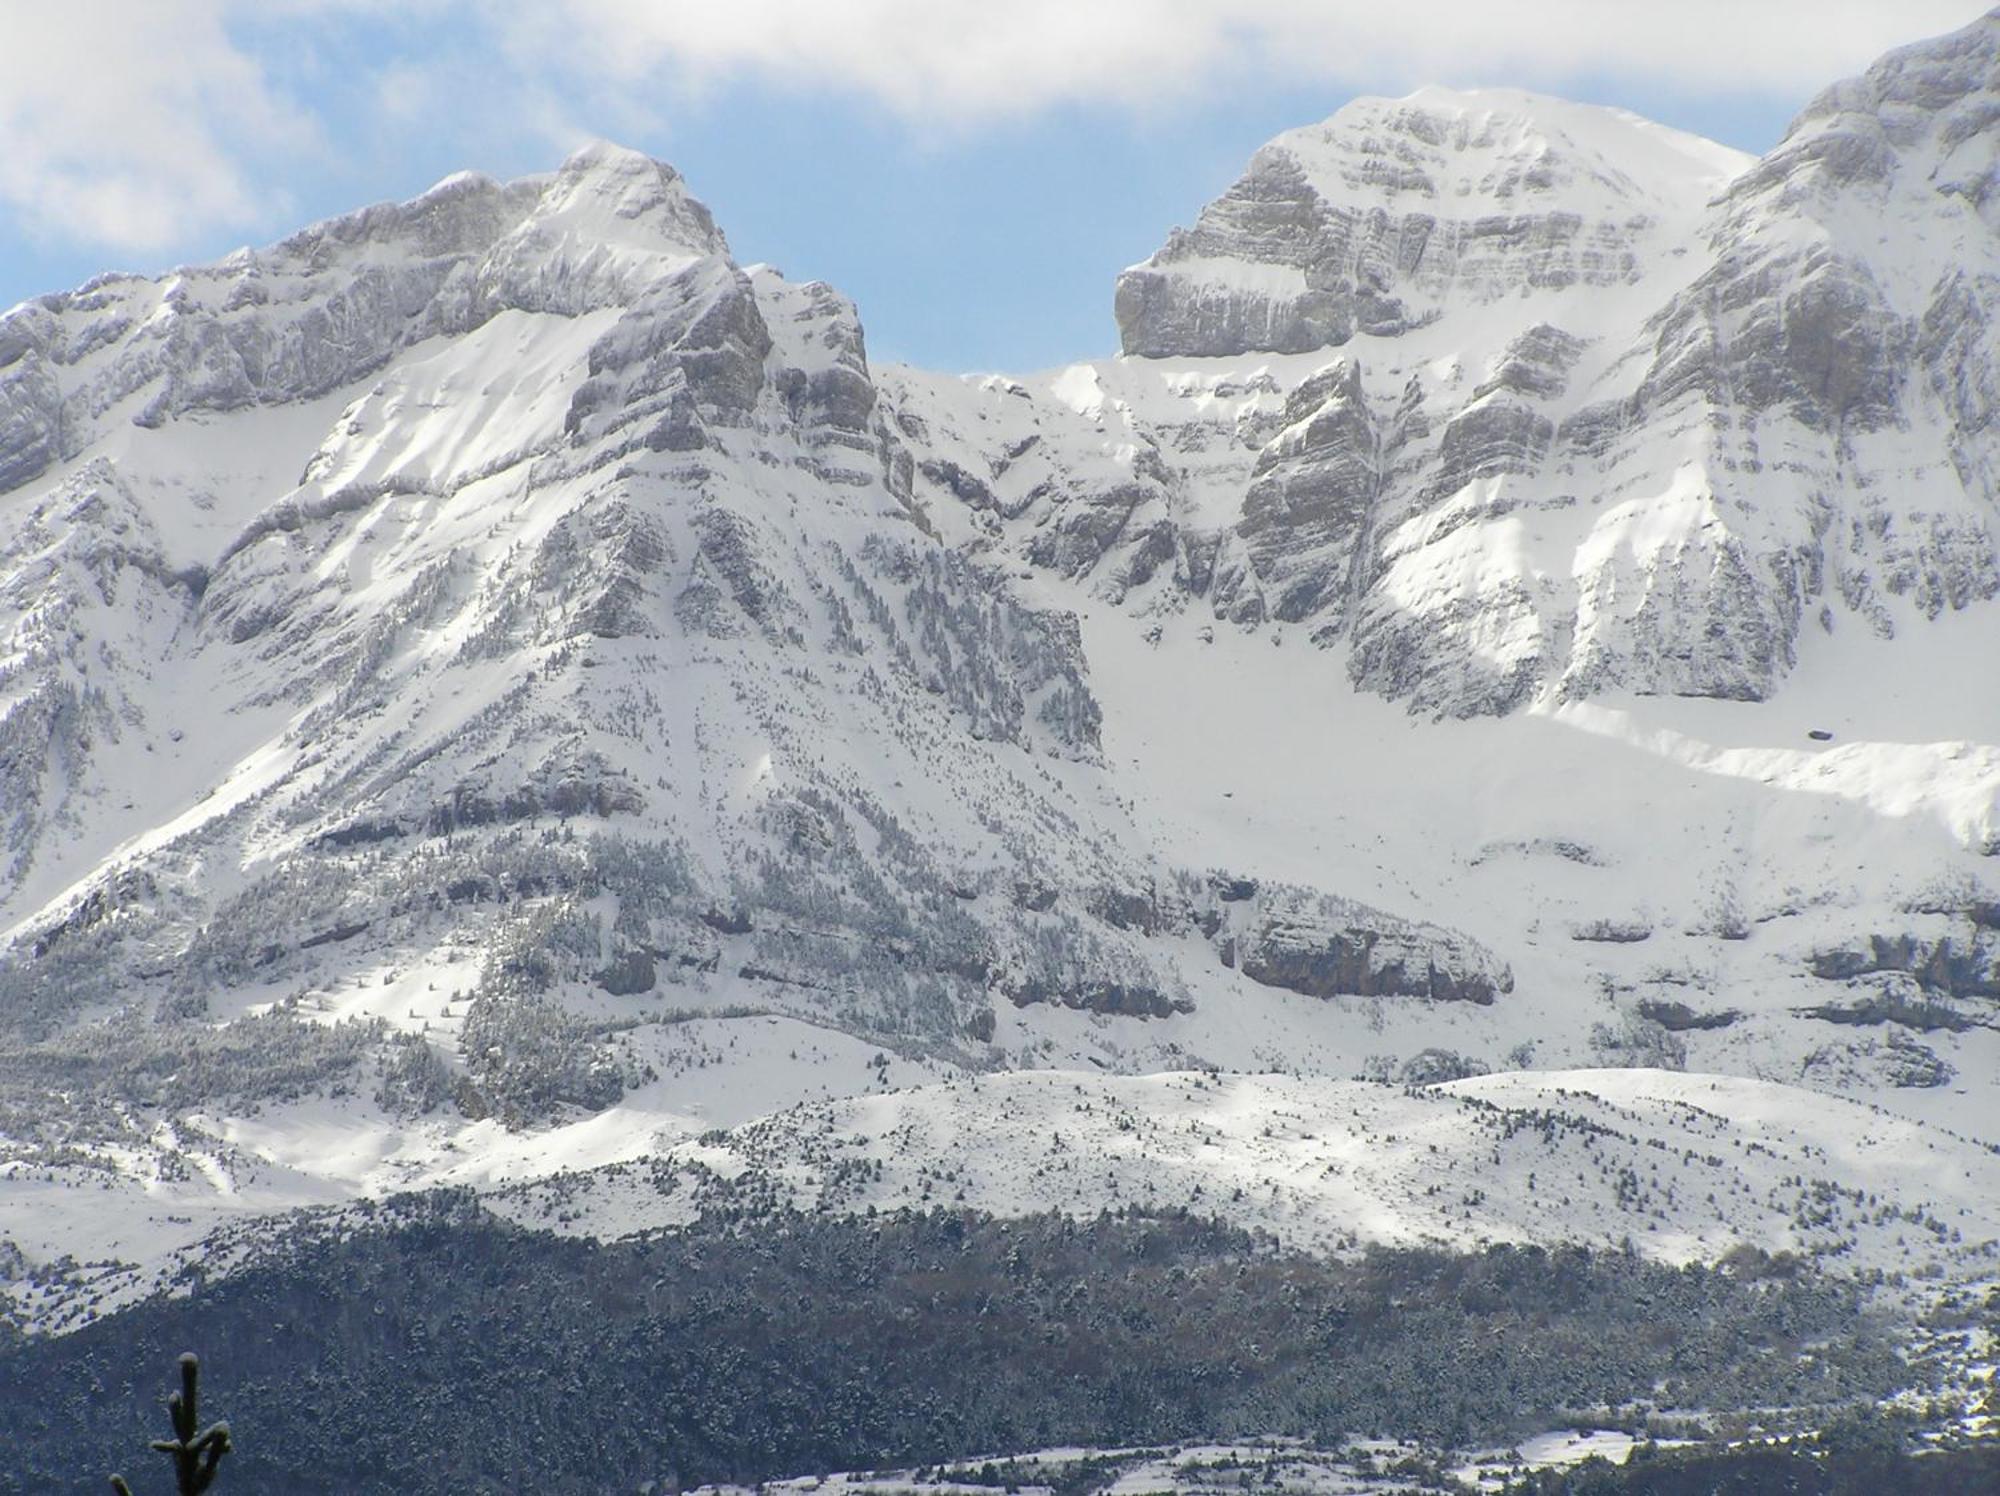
(1377, 220)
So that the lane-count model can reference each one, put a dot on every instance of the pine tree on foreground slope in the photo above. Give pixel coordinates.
(195, 1456)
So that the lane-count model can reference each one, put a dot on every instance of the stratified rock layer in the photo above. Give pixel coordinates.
(1519, 400)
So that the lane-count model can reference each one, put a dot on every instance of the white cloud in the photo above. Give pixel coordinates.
(955, 60)
(141, 124)
(132, 123)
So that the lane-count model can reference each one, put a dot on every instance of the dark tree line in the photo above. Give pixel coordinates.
(442, 1350)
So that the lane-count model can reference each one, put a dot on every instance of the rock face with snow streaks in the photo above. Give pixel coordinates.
(1375, 221)
(1325, 947)
(1515, 400)
(564, 596)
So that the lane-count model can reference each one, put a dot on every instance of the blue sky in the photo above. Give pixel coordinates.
(975, 183)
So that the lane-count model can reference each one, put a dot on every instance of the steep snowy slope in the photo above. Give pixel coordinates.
(490, 686)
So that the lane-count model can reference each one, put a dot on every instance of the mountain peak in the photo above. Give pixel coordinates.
(1503, 144)
(623, 197)
(1928, 80)
(1370, 220)
(1916, 139)
(1947, 87)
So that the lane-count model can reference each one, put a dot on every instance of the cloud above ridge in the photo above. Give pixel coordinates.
(958, 59)
(133, 122)
(138, 124)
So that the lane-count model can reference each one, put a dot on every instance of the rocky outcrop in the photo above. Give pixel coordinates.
(1110, 998)
(1329, 947)
(1311, 499)
(1954, 965)
(31, 411)
(690, 354)
(1680, 1018)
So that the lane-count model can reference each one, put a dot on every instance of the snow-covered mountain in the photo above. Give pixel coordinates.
(1613, 409)
(491, 686)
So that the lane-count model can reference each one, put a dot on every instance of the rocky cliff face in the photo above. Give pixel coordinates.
(1515, 400)
(1376, 221)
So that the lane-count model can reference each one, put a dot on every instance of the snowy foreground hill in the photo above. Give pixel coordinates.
(1478, 727)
